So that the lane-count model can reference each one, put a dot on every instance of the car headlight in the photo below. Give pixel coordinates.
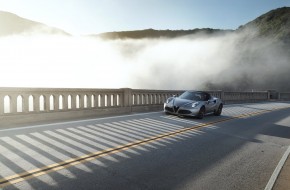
(194, 104)
(168, 100)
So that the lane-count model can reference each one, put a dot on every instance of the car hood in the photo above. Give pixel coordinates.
(181, 102)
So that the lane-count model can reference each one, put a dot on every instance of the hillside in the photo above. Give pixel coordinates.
(11, 24)
(262, 55)
(274, 24)
(151, 33)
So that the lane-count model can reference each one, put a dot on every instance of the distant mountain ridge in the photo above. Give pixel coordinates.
(11, 24)
(274, 24)
(151, 33)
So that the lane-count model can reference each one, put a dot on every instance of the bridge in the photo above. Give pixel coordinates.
(120, 139)
(30, 105)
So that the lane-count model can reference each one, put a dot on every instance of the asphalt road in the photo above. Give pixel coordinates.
(238, 150)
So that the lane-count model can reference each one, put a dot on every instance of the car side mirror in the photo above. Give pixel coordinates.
(174, 96)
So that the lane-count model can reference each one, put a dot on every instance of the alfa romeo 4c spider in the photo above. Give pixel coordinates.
(193, 103)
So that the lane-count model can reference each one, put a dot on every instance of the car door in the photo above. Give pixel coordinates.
(210, 103)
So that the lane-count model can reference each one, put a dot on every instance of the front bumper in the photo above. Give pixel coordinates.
(183, 111)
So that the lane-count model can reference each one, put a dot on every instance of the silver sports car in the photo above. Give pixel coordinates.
(193, 103)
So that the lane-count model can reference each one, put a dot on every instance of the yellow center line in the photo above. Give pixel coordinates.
(6, 181)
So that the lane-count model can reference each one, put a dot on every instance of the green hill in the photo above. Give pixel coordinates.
(151, 33)
(274, 24)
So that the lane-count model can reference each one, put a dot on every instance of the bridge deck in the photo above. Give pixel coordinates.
(149, 150)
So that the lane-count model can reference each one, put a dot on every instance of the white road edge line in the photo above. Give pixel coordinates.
(277, 171)
(77, 121)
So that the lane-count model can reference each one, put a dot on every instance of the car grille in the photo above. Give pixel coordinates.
(169, 109)
(184, 112)
(175, 108)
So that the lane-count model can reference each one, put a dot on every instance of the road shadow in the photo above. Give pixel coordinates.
(169, 163)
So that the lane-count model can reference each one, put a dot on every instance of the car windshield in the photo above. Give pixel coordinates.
(196, 96)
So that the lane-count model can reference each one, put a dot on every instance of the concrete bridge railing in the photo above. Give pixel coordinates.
(26, 100)
(284, 96)
(24, 105)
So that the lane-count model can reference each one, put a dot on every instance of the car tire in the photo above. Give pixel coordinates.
(201, 113)
(219, 110)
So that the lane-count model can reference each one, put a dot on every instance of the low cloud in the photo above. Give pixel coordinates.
(236, 61)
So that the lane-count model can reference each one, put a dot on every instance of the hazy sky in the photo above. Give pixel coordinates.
(96, 16)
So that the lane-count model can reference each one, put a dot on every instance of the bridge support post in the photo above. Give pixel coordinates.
(13, 103)
(273, 95)
(222, 95)
(127, 97)
(269, 97)
(1, 105)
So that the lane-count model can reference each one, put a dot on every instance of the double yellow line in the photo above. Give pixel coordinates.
(74, 161)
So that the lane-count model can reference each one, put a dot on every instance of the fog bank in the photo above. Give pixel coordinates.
(235, 61)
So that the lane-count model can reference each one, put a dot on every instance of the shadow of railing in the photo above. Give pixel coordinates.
(164, 163)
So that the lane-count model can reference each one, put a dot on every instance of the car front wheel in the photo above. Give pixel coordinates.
(219, 110)
(201, 113)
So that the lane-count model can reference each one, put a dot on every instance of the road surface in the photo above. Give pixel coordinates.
(238, 150)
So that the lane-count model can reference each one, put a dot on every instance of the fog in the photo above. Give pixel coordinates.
(233, 61)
